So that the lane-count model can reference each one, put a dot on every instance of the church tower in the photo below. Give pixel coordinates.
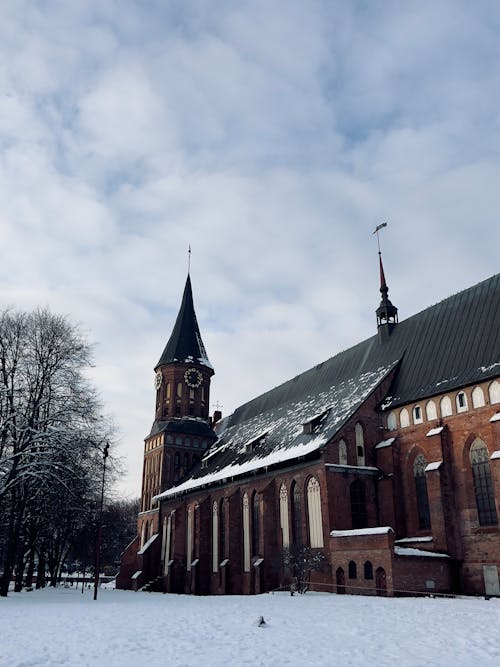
(181, 431)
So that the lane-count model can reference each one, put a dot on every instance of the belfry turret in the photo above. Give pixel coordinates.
(387, 313)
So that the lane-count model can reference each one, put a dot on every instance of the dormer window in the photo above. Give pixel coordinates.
(252, 444)
(314, 424)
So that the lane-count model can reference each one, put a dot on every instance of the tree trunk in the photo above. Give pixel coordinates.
(28, 581)
(40, 572)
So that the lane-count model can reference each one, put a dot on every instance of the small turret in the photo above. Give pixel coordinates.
(387, 313)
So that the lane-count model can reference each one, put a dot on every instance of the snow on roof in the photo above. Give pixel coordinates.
(241, 468)
(403, 540)
(282, 424)
(385, 443)
(434, 465)
(435, 431)
(495, 455)
(345, 465)
(136, 575)
(377, 530)
(409, 551)
(496, 417)
(148, 544)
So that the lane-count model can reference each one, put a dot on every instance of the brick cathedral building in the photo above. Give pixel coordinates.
(384, 458)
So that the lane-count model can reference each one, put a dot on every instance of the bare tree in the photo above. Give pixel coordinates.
(51, 438)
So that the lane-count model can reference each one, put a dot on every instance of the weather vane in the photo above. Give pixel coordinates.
(189, 258)
(377, 229)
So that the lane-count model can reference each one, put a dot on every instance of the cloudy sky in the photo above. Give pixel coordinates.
(272, 136)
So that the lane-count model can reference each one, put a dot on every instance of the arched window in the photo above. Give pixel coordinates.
(368, 567)
(404, 418)
(494, 392)
(424, 517)
(246, 534)
(215, 536)
(167, 539)
(477, 397)
(179, 390)
(222, 532)
(461, 400)
(353, 570)
(483, 488)
(431, 411)
(285, 528)
(392, 421)
(296, 515)
(446, 410)
(189, 538)
(255, 524)
(417, 415)
(360, 444)
(342, 452)
(314, 512)
(358, 504)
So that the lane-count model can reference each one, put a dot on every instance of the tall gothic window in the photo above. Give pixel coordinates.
(446, 410)
(177, 465)
(431, 410)
(296, 515)
(424, 517)
(255, 524)
(314, 513)
(360, 444)
(215, 537)
(358, 504)
(285, 528)
(189, 538)
(342, 452)
(483, 488)
(477, 397)
(494, 392)
(167, 538)
(222, 532)
(391, 421)
(246, 533)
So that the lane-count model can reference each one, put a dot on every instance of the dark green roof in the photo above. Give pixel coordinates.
(185, 344)
(443, 348)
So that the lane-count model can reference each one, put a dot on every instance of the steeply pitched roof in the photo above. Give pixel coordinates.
(447, 346)
(185, 343)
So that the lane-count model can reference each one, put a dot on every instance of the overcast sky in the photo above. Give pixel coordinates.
(273, 136)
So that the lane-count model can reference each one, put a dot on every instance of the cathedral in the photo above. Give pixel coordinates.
(383, 460)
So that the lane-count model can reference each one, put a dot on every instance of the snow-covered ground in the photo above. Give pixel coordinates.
(64, 627)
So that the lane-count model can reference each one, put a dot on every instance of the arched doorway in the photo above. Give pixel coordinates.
(340, 579)
(381, 581)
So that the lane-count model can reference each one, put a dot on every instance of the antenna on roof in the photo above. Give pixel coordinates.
(189, 258)
(377, 229)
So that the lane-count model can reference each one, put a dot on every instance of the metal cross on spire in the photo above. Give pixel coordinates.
(377, 229)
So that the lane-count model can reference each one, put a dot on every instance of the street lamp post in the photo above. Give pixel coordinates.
(99, 524)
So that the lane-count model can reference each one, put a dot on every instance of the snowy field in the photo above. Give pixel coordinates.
(64, 627)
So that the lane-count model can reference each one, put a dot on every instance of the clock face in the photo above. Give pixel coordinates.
(193, 378)
(158, 379)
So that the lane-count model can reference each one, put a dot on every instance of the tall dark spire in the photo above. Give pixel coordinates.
(387, 313)
(185, 344)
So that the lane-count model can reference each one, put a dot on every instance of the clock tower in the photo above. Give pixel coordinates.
(181, 431)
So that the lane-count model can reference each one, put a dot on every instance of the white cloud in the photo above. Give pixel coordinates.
(273, 137)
